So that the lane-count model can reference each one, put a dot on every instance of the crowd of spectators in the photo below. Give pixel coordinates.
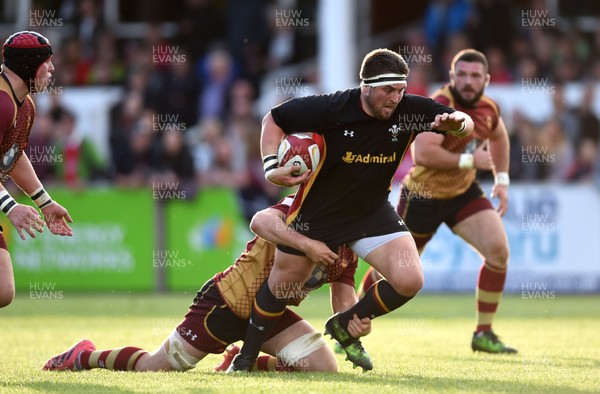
(526, 44)
(188, 108)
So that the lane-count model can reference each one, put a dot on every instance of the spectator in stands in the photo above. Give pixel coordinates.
(200, 25)
(89, 25)
(106, 68)
(589, 125)
(248, 36)
(526, 69)
(81, 162)
(134, 160)
(202, 140)
(41, 149)
(498, 68)
(73, 67)
(582, 168)
(174, 162)
(491, 25)
(216, 165)
(124, 118)
(255, 192)
(174, 90)
(218, 75)
(553, 165)
(444, 18)
(568, 116)
(522, 137)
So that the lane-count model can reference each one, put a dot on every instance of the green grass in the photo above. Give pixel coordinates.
(425, 346)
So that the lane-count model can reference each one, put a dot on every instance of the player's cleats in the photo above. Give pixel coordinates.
(355, 352)
(241, 363)
(68, 360)
(487, 341)
(228, 356)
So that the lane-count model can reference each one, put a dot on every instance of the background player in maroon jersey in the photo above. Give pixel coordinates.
(345, 200)
(442, 188)
(220, 313)
(27, 67)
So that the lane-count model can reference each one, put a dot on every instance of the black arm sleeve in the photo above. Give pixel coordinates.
(429, 107)
(314, 113)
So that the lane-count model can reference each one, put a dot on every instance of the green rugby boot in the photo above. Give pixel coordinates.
(487, 341)
(355, 352)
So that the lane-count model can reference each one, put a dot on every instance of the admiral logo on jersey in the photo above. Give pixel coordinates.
(350, 158)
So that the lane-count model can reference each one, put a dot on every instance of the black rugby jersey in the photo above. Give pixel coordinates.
(361, 155)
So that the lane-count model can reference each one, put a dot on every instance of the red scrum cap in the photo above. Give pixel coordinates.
(24, 52)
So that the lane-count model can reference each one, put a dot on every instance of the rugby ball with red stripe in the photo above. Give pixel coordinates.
(303, 149)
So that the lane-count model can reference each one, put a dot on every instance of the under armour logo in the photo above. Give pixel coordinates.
(348, 133)
(260, 328)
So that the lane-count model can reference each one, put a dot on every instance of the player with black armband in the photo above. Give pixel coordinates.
(27, 67)
(345, 200)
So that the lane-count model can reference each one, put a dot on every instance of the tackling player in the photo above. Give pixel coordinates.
(445, 167)
(220, 312)
(27, 67)
(367, 130)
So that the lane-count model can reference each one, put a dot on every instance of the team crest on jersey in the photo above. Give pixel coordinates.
(9, 157)
(395, 130)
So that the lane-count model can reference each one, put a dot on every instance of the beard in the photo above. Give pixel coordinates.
(378, 113)
(467, 103)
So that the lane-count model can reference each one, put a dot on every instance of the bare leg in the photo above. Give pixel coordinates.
(7, 280)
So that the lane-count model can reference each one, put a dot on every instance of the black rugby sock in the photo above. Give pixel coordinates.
(266, 311)
(379, 300)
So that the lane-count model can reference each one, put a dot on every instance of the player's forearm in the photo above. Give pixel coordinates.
(500, 150)
(343, 297)
(269, 224)
(270, 137)
(435, 157)
(24, 175)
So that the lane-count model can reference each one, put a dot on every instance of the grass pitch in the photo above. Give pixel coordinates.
(425, 346)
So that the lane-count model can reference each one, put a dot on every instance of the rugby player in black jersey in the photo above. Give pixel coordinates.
(367, 130)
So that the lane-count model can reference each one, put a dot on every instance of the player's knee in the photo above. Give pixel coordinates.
(329, 364)
(177, 356)
(498, 255)
(409, 284)
(413, 286)
(308, 352)
(7, 295)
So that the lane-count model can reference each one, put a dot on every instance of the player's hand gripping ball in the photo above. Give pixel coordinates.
(303, 149)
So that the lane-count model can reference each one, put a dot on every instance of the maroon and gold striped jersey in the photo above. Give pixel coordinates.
(448, 183)
(16, 120)
(239, 283)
